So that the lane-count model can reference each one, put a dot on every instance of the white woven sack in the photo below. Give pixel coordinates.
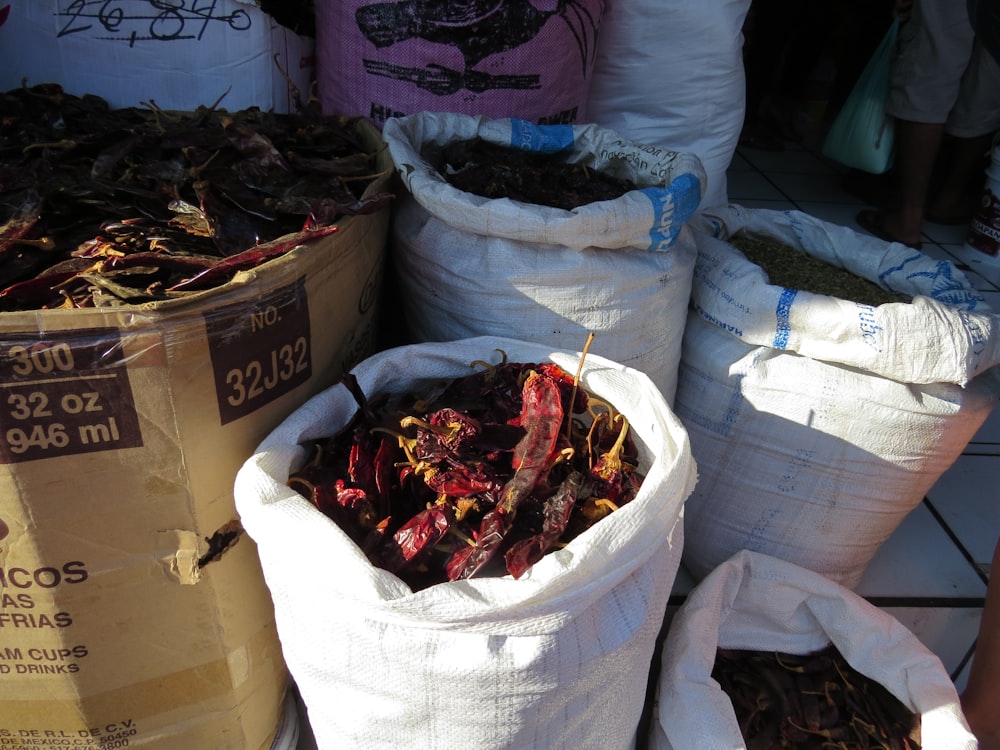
(556, 659)
(947, 334)
(819, 424)
(757, 602)
(472, 266)
(671, 74)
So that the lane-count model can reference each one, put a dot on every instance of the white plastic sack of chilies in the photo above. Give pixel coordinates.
(756, 602)
(670, 184)
(556, 659)
(473, 266)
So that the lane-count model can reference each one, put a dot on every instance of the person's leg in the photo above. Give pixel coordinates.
(765, 50)
(917, 145)
(959, 183)
(981, 697)
(969, 133)
(935, 46)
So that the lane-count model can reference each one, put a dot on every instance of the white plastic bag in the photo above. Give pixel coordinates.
(555, 659)
(863, 134)
(756, 602)
(817, 423)
(473, 266)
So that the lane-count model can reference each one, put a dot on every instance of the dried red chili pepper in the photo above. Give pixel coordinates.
(541, 415)
(446, 432)
(471, 559)
(464, 481)
(417, 536)
(227, 267)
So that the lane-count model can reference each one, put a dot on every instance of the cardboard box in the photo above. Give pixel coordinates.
(181, 54)
(132, 607)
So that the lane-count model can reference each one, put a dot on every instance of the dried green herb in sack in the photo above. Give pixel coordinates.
(102, 206)
(546, 179)
(792, 268)
(481, 476)
(815, 701)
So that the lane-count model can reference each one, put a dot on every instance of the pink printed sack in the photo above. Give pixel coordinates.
(530, 59)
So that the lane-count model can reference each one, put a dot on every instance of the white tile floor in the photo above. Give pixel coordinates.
(932, 573)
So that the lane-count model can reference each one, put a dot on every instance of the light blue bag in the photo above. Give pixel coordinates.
(863, 135)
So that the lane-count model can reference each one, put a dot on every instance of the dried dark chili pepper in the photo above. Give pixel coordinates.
(464, 481)
(815, 701)
(470, 560)
(557, 509)
(261, 153)
(207, 182)
(541, 415)
(39, 292)
(613, 479)
(25, 216)
(446, 432)
(348, 506)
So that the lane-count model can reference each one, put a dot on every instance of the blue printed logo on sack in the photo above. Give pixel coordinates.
(545, 139)
(672, 206)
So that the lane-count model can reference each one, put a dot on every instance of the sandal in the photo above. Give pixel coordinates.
(871, 221)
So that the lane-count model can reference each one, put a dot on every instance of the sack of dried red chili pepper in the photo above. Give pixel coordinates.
(557, 657)
(758, 603)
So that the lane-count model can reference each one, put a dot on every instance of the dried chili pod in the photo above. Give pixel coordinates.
(612, 478)
(464, 480)
(556, 513)
(443, 433)
(575, 399)
(469, 560)
(361, 460)
(255, 256)
(349, 506)
(25, 217)
(494, 392)
(417, 536)
(542, 416)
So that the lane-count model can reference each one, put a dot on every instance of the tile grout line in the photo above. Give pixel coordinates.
(955, 540)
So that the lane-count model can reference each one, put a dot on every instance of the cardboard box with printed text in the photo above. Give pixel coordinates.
(132, 606)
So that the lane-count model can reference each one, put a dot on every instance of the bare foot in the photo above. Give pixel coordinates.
(886, 226)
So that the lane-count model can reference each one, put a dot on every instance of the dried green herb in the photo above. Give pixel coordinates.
(792, 268)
